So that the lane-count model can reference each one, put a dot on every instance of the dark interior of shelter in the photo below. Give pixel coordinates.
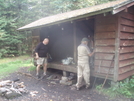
(61, 37)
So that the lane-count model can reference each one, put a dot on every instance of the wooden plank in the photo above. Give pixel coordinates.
(74, 39)
(126, 69)
(125, 75)
(117, 44)
(105, 49)
(103, 42)
(127, 15)
(105, 35)
(127, 29)
(126, 56)
(105, 20)
(126, 62)
(104, 70)
(127, 22)
(126, 42)
(105, 28)
(103, 56)
(69, 68)
(126, 49)
(105, 63)
(125, 35)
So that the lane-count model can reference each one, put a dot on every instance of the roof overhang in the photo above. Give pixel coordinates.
(113, 7)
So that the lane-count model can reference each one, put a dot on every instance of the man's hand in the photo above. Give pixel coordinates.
(37, 56)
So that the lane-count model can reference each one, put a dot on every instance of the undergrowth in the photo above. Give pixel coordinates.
(123, 88)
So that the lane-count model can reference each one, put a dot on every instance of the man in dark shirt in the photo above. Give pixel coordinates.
(41, 53)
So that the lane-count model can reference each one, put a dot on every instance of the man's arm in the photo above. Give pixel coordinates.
(36, 51)
(91, 53)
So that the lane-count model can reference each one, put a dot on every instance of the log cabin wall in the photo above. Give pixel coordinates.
(126, 57)
(105, 36)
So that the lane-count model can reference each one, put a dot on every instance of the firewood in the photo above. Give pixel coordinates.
(5, 83)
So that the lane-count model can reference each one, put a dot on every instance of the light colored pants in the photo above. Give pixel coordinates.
(41, 61)
(83, 71)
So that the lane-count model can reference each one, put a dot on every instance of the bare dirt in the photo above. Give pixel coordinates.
(51, 90)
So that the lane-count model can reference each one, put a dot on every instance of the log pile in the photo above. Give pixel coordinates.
(11, 89)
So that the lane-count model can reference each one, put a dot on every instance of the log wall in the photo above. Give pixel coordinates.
(105, 36)
(126, 57)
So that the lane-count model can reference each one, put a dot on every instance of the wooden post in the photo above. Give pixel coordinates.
(117, 52)
(74, 37)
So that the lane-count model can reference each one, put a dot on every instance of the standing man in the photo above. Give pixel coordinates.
(41, 53)
(83, 68)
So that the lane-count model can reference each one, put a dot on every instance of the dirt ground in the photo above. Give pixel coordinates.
(52, 90)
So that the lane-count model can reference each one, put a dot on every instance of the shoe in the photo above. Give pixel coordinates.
(87, 86)
(43, 76)
(37, 76)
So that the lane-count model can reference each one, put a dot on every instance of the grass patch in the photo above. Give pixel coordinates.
(10, 65)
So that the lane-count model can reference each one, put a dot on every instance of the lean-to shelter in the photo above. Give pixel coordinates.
(111, 27)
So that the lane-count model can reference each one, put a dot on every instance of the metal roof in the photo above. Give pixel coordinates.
(77, 14)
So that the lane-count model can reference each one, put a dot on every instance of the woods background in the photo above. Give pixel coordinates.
(17, 13)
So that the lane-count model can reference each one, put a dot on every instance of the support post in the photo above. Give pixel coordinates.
(117, 50)
(74, 37)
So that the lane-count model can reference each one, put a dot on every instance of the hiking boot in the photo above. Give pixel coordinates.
(43, 76)
(87, 86)
(37, 76)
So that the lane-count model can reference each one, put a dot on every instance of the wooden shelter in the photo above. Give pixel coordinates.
(111, 25)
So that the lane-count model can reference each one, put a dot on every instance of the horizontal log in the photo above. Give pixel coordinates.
(104, 63)
(125, 35)
(127, 15)
(127, 22)
(123, 63)
(127, 29)
(106, 28)
(126, 69)
(126, 42)
(105, 20)
(105, 35)
(126, 49)
(125, 75)
(107, 42)
(104, 56)
(105, 49)
(126, 56)
(104, 70)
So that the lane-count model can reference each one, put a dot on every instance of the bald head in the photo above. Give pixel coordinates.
(45, 41)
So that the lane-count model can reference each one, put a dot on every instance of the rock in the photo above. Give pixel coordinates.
(3, 90)
(66, 82)
(11, 94)
(64, 78)
(52, 82)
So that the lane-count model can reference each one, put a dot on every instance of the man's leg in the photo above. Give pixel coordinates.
(79, 77)
(45, 69)
(37, 70)
(86, 75)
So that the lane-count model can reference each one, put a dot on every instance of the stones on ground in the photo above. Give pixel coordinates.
(11, 89)
(66, 81)
(12, 94)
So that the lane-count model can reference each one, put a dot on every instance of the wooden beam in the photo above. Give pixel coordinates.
(75, 47)
(117, 45)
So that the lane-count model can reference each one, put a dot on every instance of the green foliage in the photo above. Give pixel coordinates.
(9, 65)
(124, 88)
(16, 13)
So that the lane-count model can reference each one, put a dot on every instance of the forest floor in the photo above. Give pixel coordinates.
(52, 90)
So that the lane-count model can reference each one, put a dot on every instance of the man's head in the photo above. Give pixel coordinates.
(85, 41)
(45, 41)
